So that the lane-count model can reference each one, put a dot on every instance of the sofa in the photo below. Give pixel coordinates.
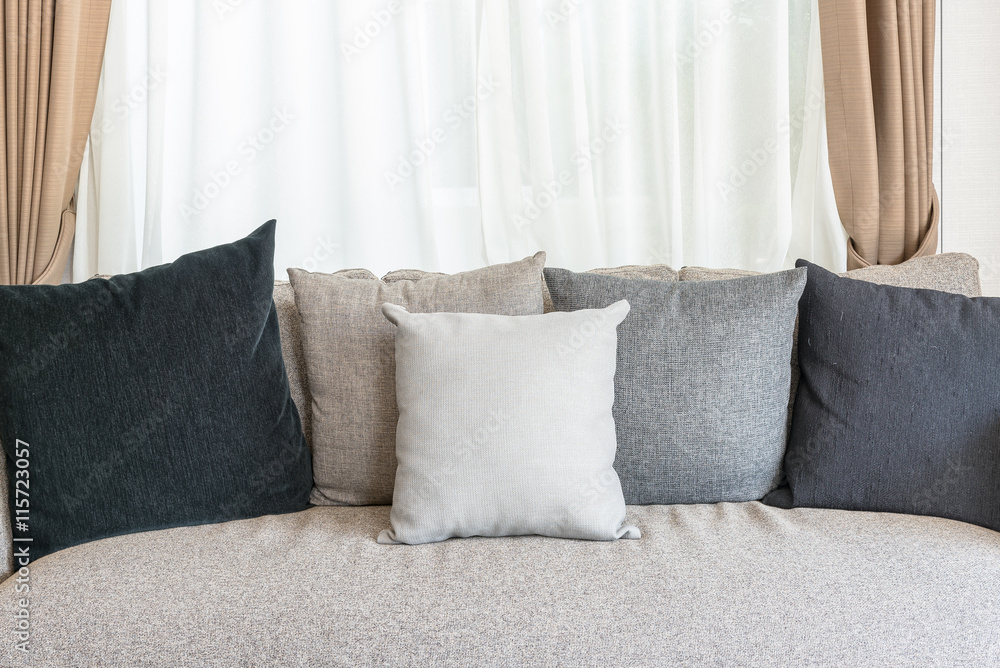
(714, 584)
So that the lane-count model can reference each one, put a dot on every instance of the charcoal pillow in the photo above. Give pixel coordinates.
(701, 391)
(898, 407)
(149, 400)
(348, 348)
(505, 426)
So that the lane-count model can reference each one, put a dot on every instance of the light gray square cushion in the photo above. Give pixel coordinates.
(348, 349)
(701, 392)
(505, 426)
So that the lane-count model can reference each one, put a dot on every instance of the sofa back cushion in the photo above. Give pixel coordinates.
(149, 400)
(948, 272)
(348, 347)
(701, 391)
(898, 408)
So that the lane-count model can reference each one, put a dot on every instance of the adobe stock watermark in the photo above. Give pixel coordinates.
(593, 491)
(453, 118)
(322, 253)
(563, 12)
(138, 438)
(929, 499)
(469, 446)
(583, 158)
(710, 30)
(580, 336)
(123, 105)
(755, 159)
(225, 7)
(370, 30)
(21, 480)
(263, 480)
(222, 177)
(58, 342)
(120, 110)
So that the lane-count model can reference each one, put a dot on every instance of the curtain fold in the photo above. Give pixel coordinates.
(53, 52)
(878, 63)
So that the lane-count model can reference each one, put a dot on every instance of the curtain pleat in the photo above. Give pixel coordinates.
(878, 63)
(52, 60)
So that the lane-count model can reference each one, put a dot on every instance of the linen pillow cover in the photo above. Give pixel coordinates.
(701, 392)
(149, 400)
(348, 348)
(898, 407)
(505, 426)
(950, 272)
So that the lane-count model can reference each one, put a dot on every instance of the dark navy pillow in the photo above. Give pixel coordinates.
(898, 405)
(149, 400)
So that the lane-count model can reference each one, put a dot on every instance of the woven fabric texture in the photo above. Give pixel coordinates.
(149, 400)
(897, 408)
(655, 272)
(949, 272)
(707, 585)
(701, 392)
(505, 426)
(349, 353)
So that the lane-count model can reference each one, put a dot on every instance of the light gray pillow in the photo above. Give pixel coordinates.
(350, 368)
(505, 426)
(701, 393)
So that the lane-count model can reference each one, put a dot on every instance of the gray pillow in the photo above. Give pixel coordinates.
(948, 272)
(348, 349)
(505, 426)
(659, 272)
(701, 393)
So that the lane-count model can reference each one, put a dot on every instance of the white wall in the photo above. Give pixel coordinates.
(967, 163)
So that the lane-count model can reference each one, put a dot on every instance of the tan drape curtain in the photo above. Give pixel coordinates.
(878, 65)
(52, 57)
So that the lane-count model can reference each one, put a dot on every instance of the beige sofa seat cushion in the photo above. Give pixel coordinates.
(726, 584)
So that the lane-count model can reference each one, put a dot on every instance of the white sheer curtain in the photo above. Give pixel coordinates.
(449, 134)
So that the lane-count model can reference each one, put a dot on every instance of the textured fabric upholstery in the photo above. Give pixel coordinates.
(150, 400)
(348, 348)
(715, 585)
(519, 438)
(653, 272)
(701, 389)
(291, 344)
(948, 272)
(898, 408)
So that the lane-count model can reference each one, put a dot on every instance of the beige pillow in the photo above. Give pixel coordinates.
(350, 363)
(948, 272)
